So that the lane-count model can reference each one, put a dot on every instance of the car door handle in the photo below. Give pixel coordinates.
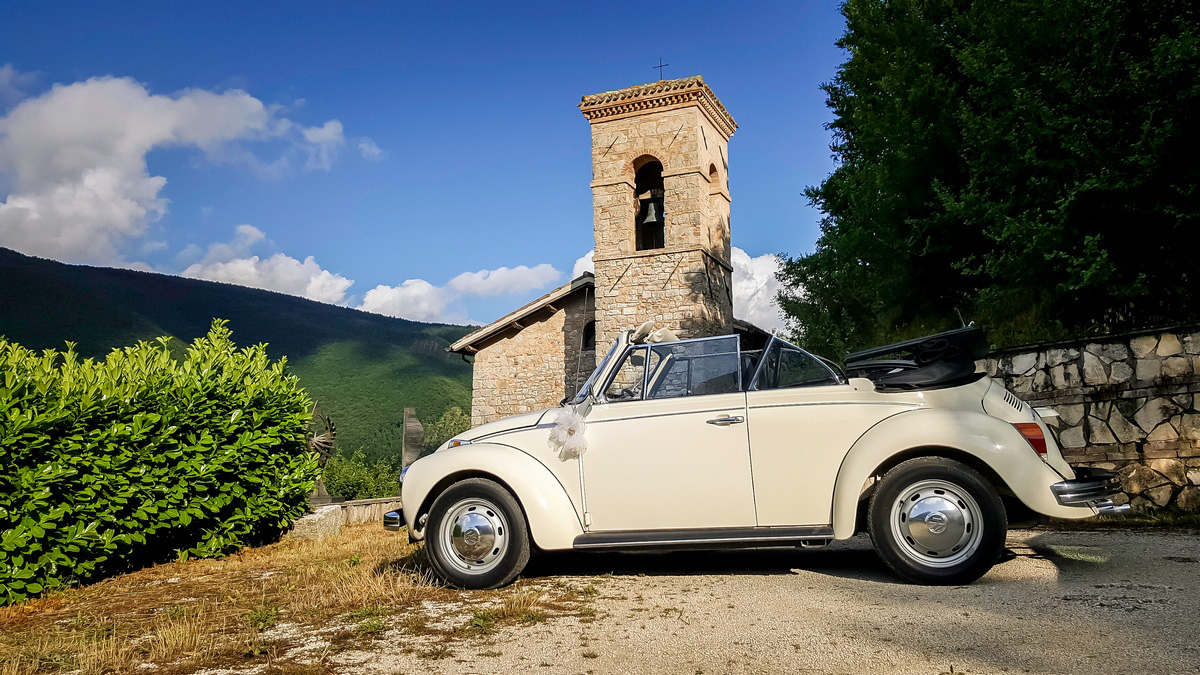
(726, 421)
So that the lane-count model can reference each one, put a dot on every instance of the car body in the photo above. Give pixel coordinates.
(699, 444)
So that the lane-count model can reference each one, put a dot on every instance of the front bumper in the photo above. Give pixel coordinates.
(1094, 488)
(393, 520)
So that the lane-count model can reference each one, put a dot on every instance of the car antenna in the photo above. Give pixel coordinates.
(960, 319)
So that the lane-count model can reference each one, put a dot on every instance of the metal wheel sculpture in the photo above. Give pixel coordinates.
(321, 439)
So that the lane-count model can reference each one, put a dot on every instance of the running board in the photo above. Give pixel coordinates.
(718, 537)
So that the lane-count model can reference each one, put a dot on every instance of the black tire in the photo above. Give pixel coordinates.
(489, 510)
(921, 495)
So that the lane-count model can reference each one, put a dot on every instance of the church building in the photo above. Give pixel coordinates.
(660, 200)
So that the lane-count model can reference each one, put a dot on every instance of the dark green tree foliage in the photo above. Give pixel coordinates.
(1030, 163)
(111, 465)
(452, 423)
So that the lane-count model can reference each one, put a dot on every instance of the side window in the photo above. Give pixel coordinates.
(630, 375)
(797, 369)
(787, 366)
(694, 368)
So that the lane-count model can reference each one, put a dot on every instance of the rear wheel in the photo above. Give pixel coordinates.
(477, 536)
(937, 521)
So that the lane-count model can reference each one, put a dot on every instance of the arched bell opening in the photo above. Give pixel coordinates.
(650, 221)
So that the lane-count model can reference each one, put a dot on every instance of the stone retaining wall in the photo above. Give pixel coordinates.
(328, 520)
(1129, 403)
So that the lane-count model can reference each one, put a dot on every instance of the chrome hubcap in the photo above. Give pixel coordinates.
(936, 523)
(475, 535)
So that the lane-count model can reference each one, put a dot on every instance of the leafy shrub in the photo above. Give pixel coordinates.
(453, 422)
(352, 477)
(111, 465)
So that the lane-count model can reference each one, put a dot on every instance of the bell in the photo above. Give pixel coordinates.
(654, 212)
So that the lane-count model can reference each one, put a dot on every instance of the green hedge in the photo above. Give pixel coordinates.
(349, 475)
(111, 465)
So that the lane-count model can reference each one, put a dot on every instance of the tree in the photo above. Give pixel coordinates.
(1029, 163)
(453, 422)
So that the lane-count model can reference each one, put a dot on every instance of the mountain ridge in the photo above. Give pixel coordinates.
(362, 368)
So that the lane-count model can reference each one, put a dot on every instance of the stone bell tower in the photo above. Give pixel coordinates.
(660, 191)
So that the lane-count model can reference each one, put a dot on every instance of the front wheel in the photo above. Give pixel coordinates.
(937, 521)
(477, 536)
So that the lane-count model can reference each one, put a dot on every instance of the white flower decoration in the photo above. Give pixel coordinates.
(566, 438)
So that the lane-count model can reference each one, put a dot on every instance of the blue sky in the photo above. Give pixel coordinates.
(391, 142)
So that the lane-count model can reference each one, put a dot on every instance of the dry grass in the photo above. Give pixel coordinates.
(252, 608)
(181, 615)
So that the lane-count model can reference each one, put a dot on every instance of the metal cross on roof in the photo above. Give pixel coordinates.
(660, 67)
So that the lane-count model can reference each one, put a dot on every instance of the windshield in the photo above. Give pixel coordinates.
(582, 395)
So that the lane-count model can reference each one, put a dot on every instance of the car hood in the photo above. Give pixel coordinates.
(523, 421)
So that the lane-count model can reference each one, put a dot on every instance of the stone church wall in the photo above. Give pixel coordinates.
(1128, 403)
(686, 291)
(533, 368)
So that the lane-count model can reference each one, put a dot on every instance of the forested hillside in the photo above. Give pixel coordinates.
(363, 369)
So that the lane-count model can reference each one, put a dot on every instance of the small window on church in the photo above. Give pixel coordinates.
(712, 175)
(651, 216)
(588, 343)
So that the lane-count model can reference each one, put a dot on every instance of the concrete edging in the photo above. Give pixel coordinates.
(329, 519)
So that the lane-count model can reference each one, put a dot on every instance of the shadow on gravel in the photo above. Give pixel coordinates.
(852, 560)
(1072, 558)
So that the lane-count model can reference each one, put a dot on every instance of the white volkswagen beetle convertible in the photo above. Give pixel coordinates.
(697, 444)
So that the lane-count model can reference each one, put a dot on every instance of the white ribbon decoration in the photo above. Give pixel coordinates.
(567, 435)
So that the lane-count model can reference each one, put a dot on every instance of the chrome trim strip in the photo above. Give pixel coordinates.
(670, 414)
(816, 403)
(702, 538)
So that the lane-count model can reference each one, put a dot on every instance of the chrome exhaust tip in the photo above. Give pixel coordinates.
(1106, 507)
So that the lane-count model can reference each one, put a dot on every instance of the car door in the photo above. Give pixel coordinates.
(802, 419)
(667, 445)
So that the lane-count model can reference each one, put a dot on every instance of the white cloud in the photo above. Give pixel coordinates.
(505, 281)
(279, 272)
(233, 263)
(415, 299)
(584, 264)
(244, 237)
(369, 151)
(755, 289)
(420, 300)
(77, 155)
(324, 142)
(13, 84)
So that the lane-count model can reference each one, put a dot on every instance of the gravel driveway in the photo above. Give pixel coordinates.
(1058, 602)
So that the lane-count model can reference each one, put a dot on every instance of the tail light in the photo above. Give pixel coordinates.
(1033, 433)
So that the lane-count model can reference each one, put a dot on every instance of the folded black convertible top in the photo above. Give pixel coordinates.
(931, 362)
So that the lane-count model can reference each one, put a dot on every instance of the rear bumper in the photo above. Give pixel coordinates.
(1093, 488)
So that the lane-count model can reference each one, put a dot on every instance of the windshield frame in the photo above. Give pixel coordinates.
(586, 389)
